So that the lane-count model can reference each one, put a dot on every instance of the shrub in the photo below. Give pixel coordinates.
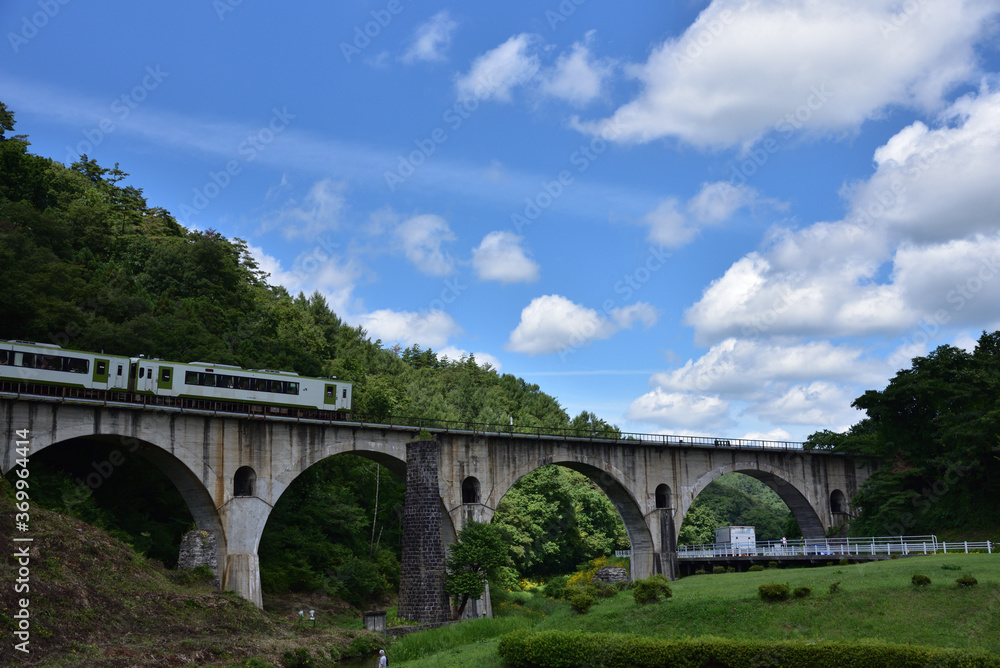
(556, 587)
(801, 592)
(650, 589)
(967, 581)
(835, 587)
(718, 570)
(756, 568)
(701, 571)
(771, 593)
(197, 575)
(920, 580)
(581, 602)
(844, 561)
(604, 590)
(731, 569)
(772, 564)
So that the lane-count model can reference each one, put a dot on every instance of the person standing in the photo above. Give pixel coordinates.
(382, 660)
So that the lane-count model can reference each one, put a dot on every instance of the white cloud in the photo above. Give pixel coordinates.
(496, 72)
(917, 234)
(421, 238)
(576, 77)
(552, 323)
(681, 411)
(313, 270)
(776, 434)
(745, 68)
(431, 39)
(500, 257)
(430, 330)
(320, 212)
(816, 404)
(746, 369)
(482, 359)
(626, 316)
(714, 204)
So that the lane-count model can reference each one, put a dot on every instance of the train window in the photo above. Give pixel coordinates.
(191, 378)
(259, 385)
(331, 391)
(242, 383)
(119, 370)
(293, 388)
(28, 360)
(102, 367)
(142, 371)
(227, 382)
(76, 365)
(164, 375)
(208, 380)
(48, 363)
(345, 393)
(6, 357)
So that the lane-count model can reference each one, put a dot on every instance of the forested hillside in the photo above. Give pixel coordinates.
(935, 431)
(89, 265)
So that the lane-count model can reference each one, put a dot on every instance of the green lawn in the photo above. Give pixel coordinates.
(875, 601)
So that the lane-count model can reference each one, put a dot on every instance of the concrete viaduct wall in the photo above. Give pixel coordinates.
(652, 486)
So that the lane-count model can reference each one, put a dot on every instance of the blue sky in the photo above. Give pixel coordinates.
(727, 217)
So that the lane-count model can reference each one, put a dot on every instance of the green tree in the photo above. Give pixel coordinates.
(478, 556)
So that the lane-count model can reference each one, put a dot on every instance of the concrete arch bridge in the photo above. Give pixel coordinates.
(232, 469)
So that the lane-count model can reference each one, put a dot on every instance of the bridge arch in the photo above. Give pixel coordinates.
(613, 483)
(788, 487)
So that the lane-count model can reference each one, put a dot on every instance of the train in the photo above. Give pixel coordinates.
(52, 370)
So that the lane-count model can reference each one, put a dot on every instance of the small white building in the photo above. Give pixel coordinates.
(736, 540)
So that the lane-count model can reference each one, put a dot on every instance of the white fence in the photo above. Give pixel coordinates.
(844, 547)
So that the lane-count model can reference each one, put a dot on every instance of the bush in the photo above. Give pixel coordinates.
(771, 593)
(604, 590)
(701, 571)
(581, 602)
(801, 592)
(756, 568)
(772, 564)
(197, 575)
(835, 587)
(650, 589)
(718, 570)
(556, 587)
(967, 581)
(613, 650)
(920, 580)
(731, 569)
(844, 561)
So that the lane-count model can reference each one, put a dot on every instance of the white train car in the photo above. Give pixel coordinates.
(49, 364)
(224, 382)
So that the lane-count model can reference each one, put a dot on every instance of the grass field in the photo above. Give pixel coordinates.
(874, 601)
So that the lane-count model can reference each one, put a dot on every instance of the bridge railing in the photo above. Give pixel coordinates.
(845, 547)
(19, 390)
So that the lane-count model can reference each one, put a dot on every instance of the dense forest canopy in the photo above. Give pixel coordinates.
(935, 431)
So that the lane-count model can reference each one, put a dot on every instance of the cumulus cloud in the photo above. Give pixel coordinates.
(818, 403)
(316, 269)
(495, 73)
(745, 68)
(917, 234)
(714, 204)
(421, 238)
(681, 411)
(431, 39)
(430, 329)
(499, 257)
(577, 76)
(552, 323)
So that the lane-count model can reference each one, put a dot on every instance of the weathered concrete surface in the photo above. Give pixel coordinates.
(201, 454)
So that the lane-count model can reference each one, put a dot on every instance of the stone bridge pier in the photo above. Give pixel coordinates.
(232, 470)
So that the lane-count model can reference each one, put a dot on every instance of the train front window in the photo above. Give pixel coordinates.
(331, 391)
(142, 370)
(102, 367)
